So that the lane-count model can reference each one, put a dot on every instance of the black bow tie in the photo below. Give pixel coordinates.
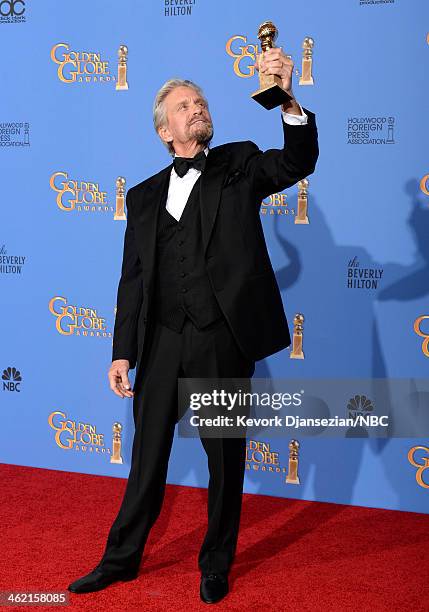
(182, 164)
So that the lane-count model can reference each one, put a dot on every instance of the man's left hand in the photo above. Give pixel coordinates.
(275, 61)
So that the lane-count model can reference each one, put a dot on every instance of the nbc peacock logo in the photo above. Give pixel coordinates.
(358, 405)
(12, 379)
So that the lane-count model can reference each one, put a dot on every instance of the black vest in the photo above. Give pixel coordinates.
(182, 287)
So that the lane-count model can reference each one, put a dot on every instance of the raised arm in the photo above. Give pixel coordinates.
(273, 170)
(276, 169)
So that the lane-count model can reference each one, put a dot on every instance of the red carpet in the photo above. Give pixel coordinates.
(292, 555)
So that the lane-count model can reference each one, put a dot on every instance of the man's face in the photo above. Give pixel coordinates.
(188, 118)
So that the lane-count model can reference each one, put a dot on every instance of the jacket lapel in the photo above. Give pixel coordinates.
(155, 194)
(147, 219)
(211, 186)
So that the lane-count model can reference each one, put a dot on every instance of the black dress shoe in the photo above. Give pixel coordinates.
(213, 587)
(99, 579)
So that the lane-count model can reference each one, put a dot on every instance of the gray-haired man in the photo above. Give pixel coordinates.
(197, 298)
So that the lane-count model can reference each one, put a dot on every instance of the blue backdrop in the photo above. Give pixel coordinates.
(367, 205)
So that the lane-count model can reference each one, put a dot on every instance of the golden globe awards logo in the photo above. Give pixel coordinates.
(75, 435)
(260, 458)
(424, 185)
(277, 204)
(418, 323)
(77, 320)
(80, 66)
(418, 456)
(78, 195)
(89, 66)
(244, 55)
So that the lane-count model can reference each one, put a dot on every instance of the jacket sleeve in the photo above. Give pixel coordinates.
(276, 169)
(129, 297)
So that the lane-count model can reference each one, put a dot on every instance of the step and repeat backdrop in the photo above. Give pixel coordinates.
(349, 245)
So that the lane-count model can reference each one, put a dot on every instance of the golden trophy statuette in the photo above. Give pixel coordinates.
(292, 476)
(302, 216)
(120, 200)
(307, 62)
(116, 444)
(121, 83)
(298, 328)
(270, 93)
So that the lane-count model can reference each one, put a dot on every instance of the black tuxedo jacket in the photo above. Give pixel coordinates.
(237, 176)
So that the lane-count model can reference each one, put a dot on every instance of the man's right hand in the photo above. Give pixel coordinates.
(118, 378)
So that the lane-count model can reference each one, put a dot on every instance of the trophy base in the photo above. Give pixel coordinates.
(272, 96)
(296, 355)
(122, 87)
(119, 461)
(292, 480)
(309, 81)
(299, 221)
(119, 217)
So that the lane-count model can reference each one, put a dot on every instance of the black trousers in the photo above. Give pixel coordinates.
(211, 352)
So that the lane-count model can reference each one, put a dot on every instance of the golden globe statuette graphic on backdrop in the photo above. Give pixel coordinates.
(302, 217)
(121, 83)
(116, 444)
(270, 93)
(306, 77)
(292, 475)
(298, 330)
(421, 466)
(120, 200)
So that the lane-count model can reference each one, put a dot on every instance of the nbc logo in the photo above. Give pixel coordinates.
(11, 379)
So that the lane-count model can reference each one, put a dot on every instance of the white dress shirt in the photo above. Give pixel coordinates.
(180, 187)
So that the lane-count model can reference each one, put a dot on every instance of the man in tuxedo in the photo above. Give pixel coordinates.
(197, 298)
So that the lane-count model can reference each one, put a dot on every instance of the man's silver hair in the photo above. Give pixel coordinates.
(159, 112)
